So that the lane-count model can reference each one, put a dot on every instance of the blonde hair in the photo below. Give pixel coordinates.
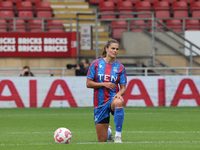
(107, 45)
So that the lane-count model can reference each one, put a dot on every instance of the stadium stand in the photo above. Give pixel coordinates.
(180, 9)
(132, 1)
(114, 1)
(117, 28)
(156, 24)
(3, 25)
(6, 9)
(162, 9)
(187, 1)
(143, 6)
(192, 24)
(24, 9)
(43, 9)
(169, 1)
(19, 24)
(175, 25)
(195, 8)
(95, 1)
(151, 1)
(125, 7)
(140, 23)
(107, 7)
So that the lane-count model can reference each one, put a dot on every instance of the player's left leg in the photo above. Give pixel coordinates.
(102, 132)
(117, 107)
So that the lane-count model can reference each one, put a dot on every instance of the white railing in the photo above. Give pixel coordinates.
(131, 71)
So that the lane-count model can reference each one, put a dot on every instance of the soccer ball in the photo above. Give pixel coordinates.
(62, 136)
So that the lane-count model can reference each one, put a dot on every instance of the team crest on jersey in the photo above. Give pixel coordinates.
(115, 69)
(100, 66)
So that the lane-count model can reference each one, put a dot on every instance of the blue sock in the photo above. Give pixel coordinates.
(108, 134)
(119, 119)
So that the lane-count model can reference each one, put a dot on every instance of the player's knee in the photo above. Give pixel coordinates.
(118, 103)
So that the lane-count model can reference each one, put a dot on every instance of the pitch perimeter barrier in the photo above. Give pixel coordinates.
(141, 91)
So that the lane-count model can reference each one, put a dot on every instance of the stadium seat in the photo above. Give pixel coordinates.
(14, 1)
(175, 25)
(56, 30)
(132, 1)
(55, 24)
(6, 5)
(156, 24)
(140, 23)
(195, 8)
(117, 28)
(7, 13)
(162, 9)
(151, 1)
(107, 7)
(3, 25)
(42, 6)
(95, 1)
(169, 1)
(143, 6)
(20, 25)
(125, 7)
(35, 24)
(44, 14)
(24, 9)
(33, 1)
(192, 24)
(114, 1)
(187, 1)
(180, 9)
(3, 30)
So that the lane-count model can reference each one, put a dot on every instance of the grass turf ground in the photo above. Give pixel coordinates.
(145, 128)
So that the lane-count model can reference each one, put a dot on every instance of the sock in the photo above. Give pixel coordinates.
(117, 134)
(118, 119)
(108, 133)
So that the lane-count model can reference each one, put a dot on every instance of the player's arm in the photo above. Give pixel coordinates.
(92, 84)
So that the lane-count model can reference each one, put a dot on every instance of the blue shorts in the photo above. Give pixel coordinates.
(102, 112)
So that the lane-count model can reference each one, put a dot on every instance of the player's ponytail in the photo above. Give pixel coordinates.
(104, 53)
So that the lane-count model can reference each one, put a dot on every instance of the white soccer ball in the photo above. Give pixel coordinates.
(62, 136)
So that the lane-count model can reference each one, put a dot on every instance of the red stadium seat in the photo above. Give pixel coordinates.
(117, 28)
(44, 14)
(25, 14)
(107, 7)
(143, 6)
(156, 24)
(36, 30)
(14, 1)
(180, 9)
(56, 30)
(33, 1)
(25, 5)
(3, 30)
(35, 25)
(6, 5)
(114, 1)
(140, 23)
(151, 1)
(175, 25)
(125, 7)
(162, 9)
(187, 1)
(132, 1)
(20, 25)
(3, 25)
(43, 5)
(169, 1)
(195, 8)
(95, 1)
(192, 24)
(55, 24)
(7, 13)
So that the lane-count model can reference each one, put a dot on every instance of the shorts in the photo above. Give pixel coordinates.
(102, 112)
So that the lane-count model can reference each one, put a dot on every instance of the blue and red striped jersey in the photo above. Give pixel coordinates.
(101, 71)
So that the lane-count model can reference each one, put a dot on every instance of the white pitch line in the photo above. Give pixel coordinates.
(127, 142)
(92, 132)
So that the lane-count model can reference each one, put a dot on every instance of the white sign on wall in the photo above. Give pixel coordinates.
(86, 37)
(192, 36)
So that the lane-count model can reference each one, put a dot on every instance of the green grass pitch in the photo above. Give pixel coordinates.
(145, 128)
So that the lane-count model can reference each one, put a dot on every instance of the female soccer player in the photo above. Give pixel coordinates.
(103, 76)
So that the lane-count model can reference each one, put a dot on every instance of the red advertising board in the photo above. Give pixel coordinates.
(38, 44)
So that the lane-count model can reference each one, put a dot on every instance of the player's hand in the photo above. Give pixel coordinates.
(110, 85)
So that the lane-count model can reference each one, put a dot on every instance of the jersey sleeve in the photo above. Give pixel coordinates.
(91, 71)
(123, 78)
